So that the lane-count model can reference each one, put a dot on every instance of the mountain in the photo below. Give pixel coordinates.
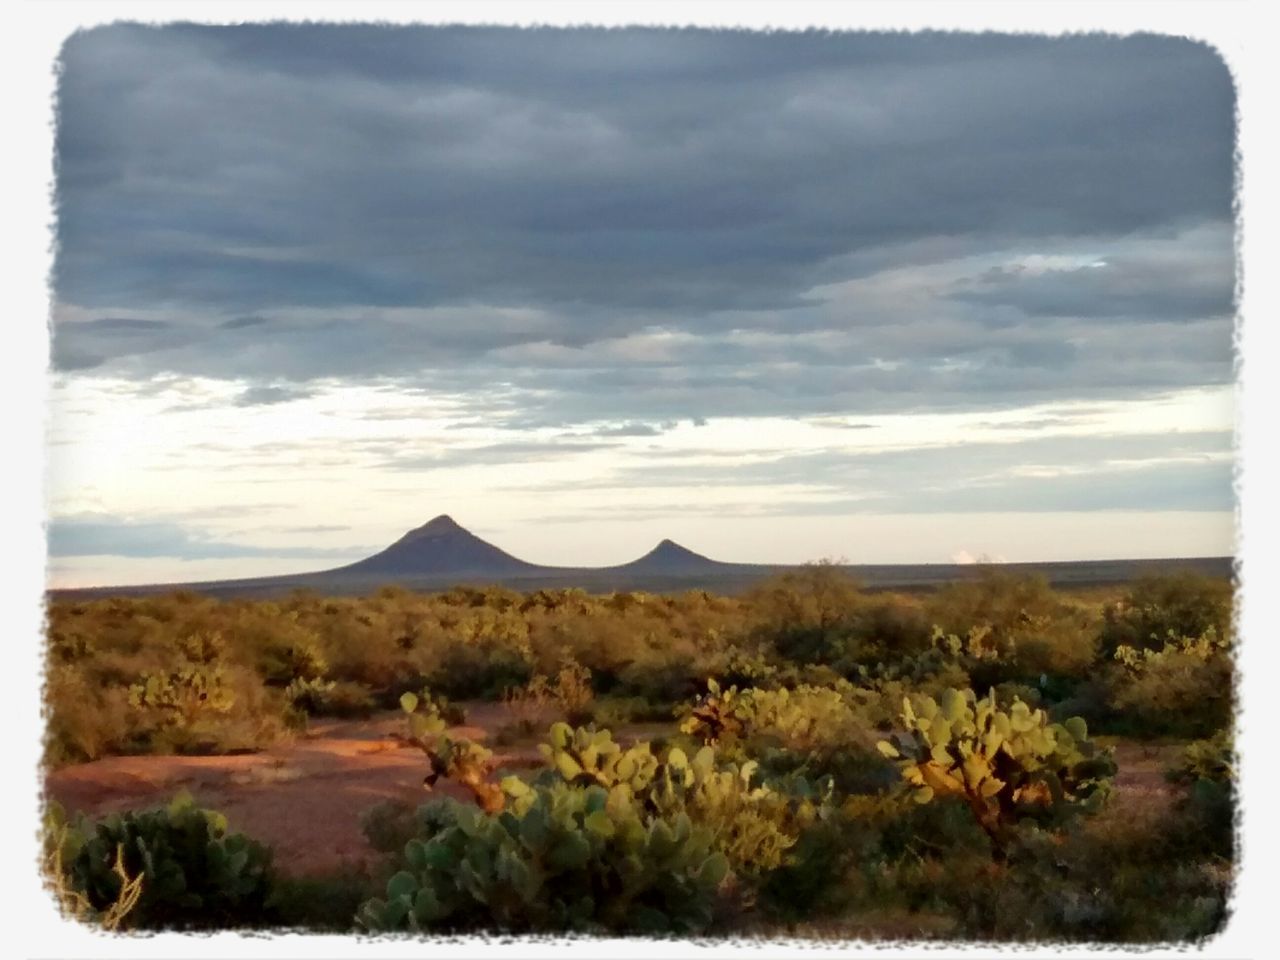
(440, 554)
(439, 547)
(669, 558)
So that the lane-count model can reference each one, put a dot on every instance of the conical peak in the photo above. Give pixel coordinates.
(669, 555)
(440, 546)
(441, 524)
(670, 546)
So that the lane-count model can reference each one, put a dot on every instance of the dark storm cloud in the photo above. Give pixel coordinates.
(89, 535)
(1184, 288)
(424, 204)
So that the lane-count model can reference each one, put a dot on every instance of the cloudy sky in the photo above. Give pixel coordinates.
(892, 298)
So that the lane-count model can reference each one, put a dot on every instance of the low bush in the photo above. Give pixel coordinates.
(1183, 688)
(1156, 608)
(193, 873)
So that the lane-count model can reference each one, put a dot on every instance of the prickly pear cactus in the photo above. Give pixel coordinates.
(753, 825)
(1006, 765)
(559, 858)
(585, 757)
(603, 839)
(194, 874)
(716, 716)
(460, 760)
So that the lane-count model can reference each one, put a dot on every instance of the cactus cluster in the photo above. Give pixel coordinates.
(605, 838)
(1006, 765)
(803, 718)
(195, 689)
(1204, 647)
(585, 757)
(559, 858)
(754, 825)
(193, 873)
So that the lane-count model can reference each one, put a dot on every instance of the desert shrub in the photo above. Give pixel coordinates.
(317, 904)
(285, 659)
(568, 695)
(1007, 766)
(388, 825)
(1156, 608)
(1207, 769)
(347, 699)
(608, 712)
(808, 615)
(194, 874)
(307, 695)
(470, 671)
(667, 680)
(1014, 628)
(888, 627)
(85, 720)
(1184, 688)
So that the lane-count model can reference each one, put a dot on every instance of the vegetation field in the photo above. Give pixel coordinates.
(993, 759)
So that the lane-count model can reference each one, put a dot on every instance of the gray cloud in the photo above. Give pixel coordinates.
(262, 395)
(86, 535)
(1173, 471)
(1192, 487)
(633, 429)
(313, 528)
(477, 211)
(511, 453)
(1194, 284)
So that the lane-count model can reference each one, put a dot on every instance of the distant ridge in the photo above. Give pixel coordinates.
(439, 547)
(441, 554)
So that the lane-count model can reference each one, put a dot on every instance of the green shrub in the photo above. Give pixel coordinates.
(1184, 688)
(566, 860)
(62, 841)
(1014, 628)
(1208, 770)
(318, 904)
(808, 615)
(194, 874)
(1155, 608)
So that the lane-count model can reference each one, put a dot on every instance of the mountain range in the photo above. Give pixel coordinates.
(441, 553)
(443, 548)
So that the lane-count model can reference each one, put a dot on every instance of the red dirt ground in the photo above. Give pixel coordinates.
(302, 798)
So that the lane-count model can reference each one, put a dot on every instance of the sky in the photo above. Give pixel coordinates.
(880, 297)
